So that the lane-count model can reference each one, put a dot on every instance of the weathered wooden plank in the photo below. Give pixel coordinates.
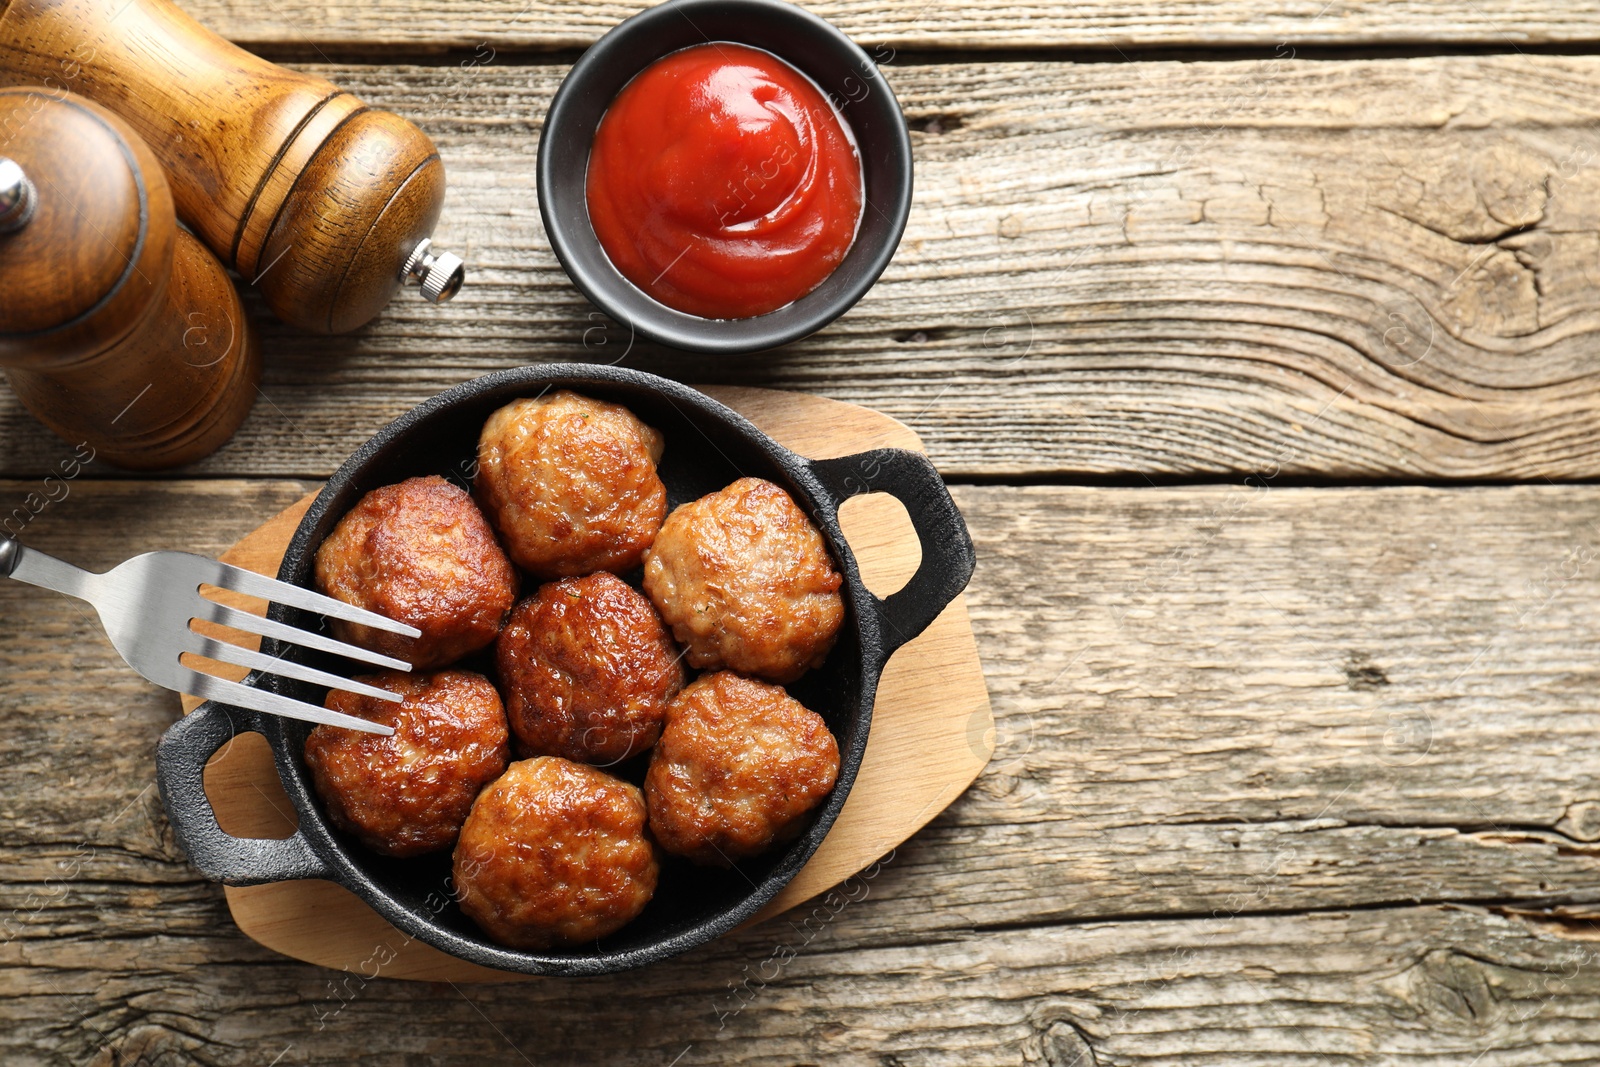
(1412, 665)
(1423, 987)
(1341, 270)
(1208, 700)
(1213, 702)
(1095, 24)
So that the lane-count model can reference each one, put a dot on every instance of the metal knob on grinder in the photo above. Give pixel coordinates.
(17, 196)
(315, 198)
(439, 276)
(118, 330)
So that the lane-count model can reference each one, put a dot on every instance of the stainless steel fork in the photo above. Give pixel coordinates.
(147, 604)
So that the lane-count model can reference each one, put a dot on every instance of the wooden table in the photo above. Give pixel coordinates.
(1258, 340)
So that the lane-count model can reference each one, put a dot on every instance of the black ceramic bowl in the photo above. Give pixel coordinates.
(840, 68)
(707, 447)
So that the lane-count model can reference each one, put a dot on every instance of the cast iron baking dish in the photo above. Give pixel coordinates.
(707, 446)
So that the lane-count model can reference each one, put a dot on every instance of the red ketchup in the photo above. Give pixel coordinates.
(723, 184)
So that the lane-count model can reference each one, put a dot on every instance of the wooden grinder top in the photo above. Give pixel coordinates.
(97, 248)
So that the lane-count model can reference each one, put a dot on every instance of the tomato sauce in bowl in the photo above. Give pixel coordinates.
(723, 183)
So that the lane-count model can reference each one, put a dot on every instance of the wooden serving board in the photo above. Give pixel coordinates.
(932, 729)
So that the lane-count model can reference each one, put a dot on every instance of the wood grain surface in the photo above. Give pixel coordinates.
(1093, 25)
(1296, 769)
(1225, 718)
(1279, 269)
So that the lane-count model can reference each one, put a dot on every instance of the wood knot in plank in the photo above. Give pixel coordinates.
(936, 124)
(147, 1045)
(1581, 821)
(1360, 673)
(1452, 992)
(1061, 1044)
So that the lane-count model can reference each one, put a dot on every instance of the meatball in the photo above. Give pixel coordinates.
(571, 484)
(745, 582)
(409, 793)
(555, 853)
(420, 553)
(738, 766)
(587, 667)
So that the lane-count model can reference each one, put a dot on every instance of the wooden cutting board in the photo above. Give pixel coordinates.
(932, 729)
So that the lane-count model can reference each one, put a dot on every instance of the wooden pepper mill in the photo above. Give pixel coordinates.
(325, 204)
(117, 328)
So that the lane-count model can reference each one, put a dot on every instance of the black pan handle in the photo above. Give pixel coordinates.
(947, 555)
(181, 757)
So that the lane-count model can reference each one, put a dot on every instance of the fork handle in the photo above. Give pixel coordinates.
(35, 568)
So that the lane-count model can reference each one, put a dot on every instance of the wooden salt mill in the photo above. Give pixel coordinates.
(324, 203)
(117, 329)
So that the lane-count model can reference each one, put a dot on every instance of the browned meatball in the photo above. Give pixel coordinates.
(745, 582)
(738, 766)
(571, 484)
(420, 553)
(587, 667)
(409, 793)
(555, 853)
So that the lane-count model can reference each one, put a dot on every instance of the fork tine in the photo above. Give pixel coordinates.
(255, 624)
(243, 696)
(253, 584)
(224, 652)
